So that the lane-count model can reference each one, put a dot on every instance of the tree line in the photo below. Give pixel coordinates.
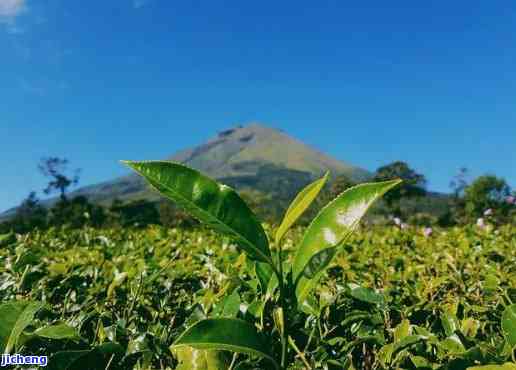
(470, 201)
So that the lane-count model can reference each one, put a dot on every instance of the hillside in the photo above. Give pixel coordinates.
(251, 157)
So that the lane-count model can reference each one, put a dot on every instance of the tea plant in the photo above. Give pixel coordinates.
(221, 208)
(393, 298)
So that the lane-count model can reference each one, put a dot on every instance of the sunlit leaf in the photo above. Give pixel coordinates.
(402, 330)
(198, 359)
(299, 205)
(509, 324)
(330, 228)
(58, 331)
(506, 366)
(449, 323)
(215, 204)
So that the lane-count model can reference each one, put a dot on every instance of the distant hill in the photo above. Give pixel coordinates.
(252, 157)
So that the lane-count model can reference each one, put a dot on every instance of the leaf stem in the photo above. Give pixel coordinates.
(283, 305)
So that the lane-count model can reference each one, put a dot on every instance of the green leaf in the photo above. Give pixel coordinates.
(197, 359)
(469, 327)
(388, 352)
(509, 324)
(229, 306)
(95, 359)
(59, 331)
(64, 360)
(6, 239)
(407, 342)
(506, 366)
(299, 205)
(329, 229)
(15, 317)
(402, 330)
(367, 295)
(452, 344)
(118, 280)
(264, 273)
(226, 334)
(215, 204)
(449, 323)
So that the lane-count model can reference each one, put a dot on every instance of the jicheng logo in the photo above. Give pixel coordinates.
(18, 359)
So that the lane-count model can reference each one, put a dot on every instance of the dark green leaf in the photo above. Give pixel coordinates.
(264, 273)
(226, 334)
(215, 204)
(14, 318)
(407, 342)
(95, 359)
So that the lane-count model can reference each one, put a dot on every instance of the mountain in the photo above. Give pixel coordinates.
(252, 157)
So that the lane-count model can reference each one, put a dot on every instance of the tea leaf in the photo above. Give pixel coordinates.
(299, 205)
(15, 317)
(402, 330)
(367, 295)
(509, 324)
(94, 359)
(215, 204)
(225, 334)
(59, 331)
(196, 359)
(330, 228)
(506, 366)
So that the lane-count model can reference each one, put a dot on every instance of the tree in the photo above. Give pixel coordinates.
(171, 215)
(29, 215)
(339, 184)
(77, 212)
(413, 183)
(487, 192)
(55, 168)
(457, 212)
(137, 213)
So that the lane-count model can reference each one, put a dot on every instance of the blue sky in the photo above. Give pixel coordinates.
(432, 83)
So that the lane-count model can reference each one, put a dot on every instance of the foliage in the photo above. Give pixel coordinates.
(172, 216)
(136, 213)
(384, 283)
(486, 192)
(77, 213)
(339, 184)
(313, 298)
(413, 183)
(29, 215)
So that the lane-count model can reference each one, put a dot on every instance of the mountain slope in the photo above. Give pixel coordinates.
(255, 157)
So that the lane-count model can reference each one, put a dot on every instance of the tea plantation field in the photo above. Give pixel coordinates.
(392, 298)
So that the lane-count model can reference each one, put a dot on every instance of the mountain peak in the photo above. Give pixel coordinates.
(243, 150)
(251, 156)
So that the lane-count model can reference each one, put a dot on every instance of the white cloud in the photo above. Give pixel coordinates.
(10, 9)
